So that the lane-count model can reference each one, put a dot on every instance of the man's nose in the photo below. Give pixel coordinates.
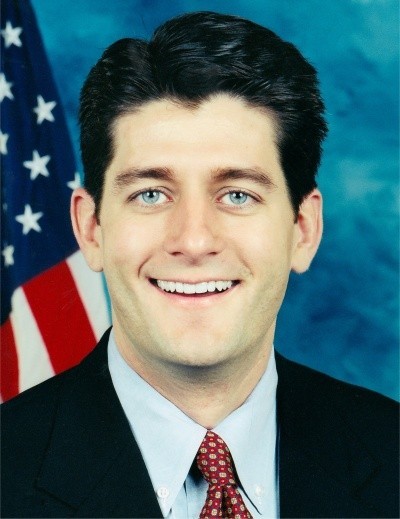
(194, 231)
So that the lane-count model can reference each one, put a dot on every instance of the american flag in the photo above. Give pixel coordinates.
(53, 307)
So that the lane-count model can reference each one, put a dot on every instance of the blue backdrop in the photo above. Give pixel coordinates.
(342, 316)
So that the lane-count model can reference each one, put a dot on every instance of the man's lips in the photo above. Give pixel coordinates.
(194, 289)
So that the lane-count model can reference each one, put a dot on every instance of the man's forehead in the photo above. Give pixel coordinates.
(215, 104)
(222, 137)
(212, 123)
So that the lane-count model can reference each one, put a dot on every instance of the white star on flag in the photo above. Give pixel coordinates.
(37, 165)
(3, 142)
(29, 220)
(43, 110)
(5, 88)
(74, 184)
(11, 35)
(8, 253)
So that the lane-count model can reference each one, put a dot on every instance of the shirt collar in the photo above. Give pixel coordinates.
(168, 439)
(250, 432)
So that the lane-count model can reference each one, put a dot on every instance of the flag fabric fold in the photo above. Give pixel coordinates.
(53, 307)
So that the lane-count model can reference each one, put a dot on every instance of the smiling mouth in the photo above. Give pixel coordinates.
(204, 288)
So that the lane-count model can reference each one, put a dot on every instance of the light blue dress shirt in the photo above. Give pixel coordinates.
(168, 440)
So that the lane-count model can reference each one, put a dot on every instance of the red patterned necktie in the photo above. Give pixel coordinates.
(215, 463)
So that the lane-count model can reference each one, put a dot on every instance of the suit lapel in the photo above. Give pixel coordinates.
(93, 462)
(322, 467)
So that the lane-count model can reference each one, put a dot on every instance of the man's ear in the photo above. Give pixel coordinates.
(86, 228)
(308, 231)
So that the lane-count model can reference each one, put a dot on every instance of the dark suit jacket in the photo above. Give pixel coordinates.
(68, 450)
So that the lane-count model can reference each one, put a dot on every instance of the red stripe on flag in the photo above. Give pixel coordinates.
(61, 316)
(9, 362)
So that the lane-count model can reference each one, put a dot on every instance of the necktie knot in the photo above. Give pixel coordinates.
(215, 463)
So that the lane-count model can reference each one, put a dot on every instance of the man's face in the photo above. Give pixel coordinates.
(195, 200)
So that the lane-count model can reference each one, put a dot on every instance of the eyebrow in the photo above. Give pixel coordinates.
(132, 175)
(256, 175)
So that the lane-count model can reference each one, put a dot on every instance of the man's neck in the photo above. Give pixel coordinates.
(206, 394)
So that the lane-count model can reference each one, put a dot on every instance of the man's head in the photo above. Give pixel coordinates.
(191, 58)
(200, 151)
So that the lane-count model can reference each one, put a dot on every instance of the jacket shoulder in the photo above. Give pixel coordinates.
(325, 390)
(27, 417)
(333, 409)
(345, 437)
(27, 426)
(27, 421)
(33, 407)
(39, 401)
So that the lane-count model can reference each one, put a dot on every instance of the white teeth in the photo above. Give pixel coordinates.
(194, 288)
(211, 286)
(189, 289)
(201, 288)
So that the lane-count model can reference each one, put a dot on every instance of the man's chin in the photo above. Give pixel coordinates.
(199, 352)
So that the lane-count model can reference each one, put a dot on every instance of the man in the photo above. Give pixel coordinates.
(200, 151)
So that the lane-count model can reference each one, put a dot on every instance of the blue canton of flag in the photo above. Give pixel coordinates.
(53, 307)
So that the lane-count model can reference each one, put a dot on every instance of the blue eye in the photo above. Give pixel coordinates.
(237, 197)
(151, 197)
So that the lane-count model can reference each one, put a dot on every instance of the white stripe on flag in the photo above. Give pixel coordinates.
(34, 364)
(90, 287)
